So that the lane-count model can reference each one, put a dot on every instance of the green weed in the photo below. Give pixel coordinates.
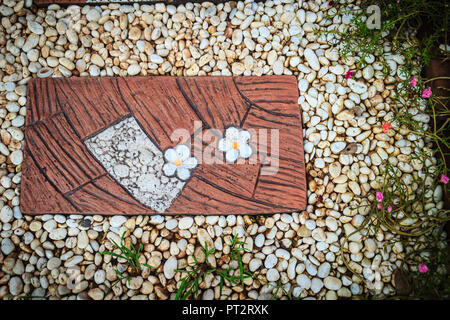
(190, 284)
(131, 255)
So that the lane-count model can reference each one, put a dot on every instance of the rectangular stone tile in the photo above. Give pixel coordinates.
(107, 146)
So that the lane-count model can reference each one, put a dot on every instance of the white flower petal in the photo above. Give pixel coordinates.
(245, 151)
(231, 155)
(244, 136)
(183, 152)
(170, 155)
(224, 145)
(232, 133)
(183, 173)
(169, 169)
(190, 163)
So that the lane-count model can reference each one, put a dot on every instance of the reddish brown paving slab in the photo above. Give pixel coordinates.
(239, 178)
(90, 104)
(288, 185)
(277, 110)
(280, 90)
(72, 110)
(289, 133)
(43, 105)
(216, 100)
(60, 153)
(158, 106)
(45, 196)
(105, 196)
(203, 196)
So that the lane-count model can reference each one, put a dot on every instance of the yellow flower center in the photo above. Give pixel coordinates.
(177, 162)
(235, 145)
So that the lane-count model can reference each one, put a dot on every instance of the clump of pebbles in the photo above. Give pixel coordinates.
(59, 256)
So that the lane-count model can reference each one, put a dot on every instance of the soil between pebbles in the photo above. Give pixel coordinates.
(344, 147)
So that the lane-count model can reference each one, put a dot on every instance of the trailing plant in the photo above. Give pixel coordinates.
(400, 22)
(415, 31)
(402, 206)
(425, 270)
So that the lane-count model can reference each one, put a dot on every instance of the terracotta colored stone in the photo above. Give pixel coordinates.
(158, 106)
(269, 111)
(106, 195)
(61, 175)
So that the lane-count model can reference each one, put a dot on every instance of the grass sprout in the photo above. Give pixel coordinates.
(131, 255)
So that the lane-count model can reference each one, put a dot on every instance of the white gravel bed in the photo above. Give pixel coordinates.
(344, 147)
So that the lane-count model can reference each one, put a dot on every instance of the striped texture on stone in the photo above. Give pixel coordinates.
(69, 119)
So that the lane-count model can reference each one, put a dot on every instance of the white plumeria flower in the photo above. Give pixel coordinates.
(179, 160)
(235, 144)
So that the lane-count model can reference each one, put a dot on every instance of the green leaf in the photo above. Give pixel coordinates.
(114, 255)
(181, 288)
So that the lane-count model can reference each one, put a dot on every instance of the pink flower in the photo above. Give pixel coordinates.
(349, 74)
(386, 127)
(380, 206)
(413, 81)
(379, 196)
(427, 93)
(389, 209)
(423, 268)
(444, 179)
